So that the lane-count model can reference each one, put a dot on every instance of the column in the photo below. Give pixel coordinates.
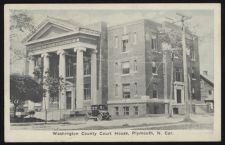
(94, 78)
(45, 69)
(62, 74)
(31, 66)
(80, 78)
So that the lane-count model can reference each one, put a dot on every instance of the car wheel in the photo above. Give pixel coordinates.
(99, 117)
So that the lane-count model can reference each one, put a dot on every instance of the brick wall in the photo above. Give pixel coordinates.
(134, 52)
(141, 110)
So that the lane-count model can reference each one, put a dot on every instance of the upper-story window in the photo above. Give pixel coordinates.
(116, 67)
(126, 90)
(210, 92)
(154, 71)
(126, 67)
(193, 93)
(116, 41)
(87, 68)
(116, 89)
(135, 38)
(87, 91)
(70, 67)
(155, 92)
(178, 74)
(87, 65)
(192, 54)
(124, 43)
(193, 73)
(135, 89)
(38, 62)
(154, 42)
(135, 65)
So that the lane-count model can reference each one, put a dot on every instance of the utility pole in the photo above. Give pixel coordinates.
(171, 86)
(187, 107)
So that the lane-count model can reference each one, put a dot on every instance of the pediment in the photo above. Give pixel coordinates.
(49, 30)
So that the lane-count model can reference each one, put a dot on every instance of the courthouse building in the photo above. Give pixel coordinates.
(123, 66)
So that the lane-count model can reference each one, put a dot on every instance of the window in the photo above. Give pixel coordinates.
(178, 96)
(154, 68)
(68, 100)
(38, 62)
(87, 65)
(193, 73)
(87, 91)
(124, 45)
(155, 93)
(70, 67)
(117, 111)
(154, 42)
(210, 92)
(192, 54)
(135, 38)
(135, 110)
(116, 67)
(193, 93)
(126, 90)
(178, 74)
(126, 111)
(135, 88)
(135, 65)
(126, 67)
(116, 90)
(116, 41)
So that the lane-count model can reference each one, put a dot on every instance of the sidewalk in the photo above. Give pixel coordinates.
(117, 123)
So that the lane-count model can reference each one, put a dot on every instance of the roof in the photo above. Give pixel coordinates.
(207, 79)
(68, 24)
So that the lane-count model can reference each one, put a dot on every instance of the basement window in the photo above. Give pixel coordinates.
(135, 110)
(117, 111)
(126, 111)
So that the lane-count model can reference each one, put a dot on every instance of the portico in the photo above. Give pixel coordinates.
(75, 61)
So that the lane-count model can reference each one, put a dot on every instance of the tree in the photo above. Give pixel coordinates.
(53, 84)
(21, 24)
(22, 88)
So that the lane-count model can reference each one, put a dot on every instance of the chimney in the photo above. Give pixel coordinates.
(205, 72)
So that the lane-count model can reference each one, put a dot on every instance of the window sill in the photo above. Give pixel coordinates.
(155, 51)
(123, 75)
(194, 79)
(124, 52)
(154, 74)
(70, 77)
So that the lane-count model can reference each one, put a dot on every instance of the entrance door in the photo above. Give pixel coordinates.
(68, 100)
(178, 96)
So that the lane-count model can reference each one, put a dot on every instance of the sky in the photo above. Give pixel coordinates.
(201, 23)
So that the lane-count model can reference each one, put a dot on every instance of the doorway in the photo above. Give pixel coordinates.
(68, 100)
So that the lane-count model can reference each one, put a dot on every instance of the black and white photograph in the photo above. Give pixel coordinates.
(112, 72)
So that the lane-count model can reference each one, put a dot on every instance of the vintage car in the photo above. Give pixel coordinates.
(98, 113)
